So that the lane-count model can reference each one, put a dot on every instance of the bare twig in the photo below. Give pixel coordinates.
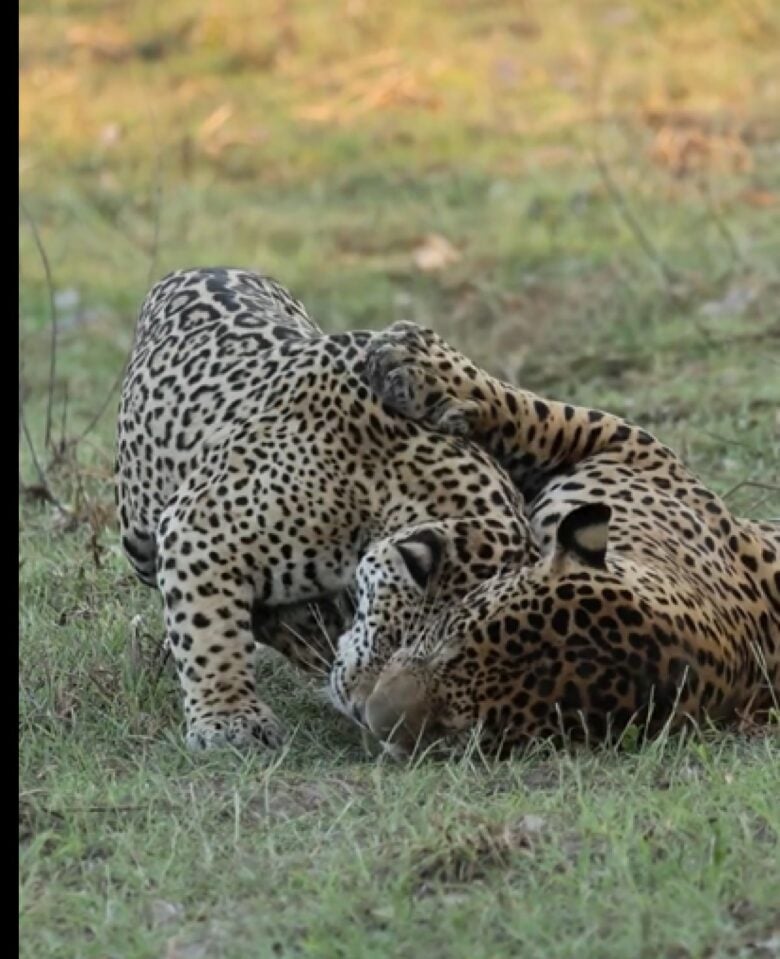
(156, 197)
(163, 658)
(102, 408)
(670, 278)
(622, 206)
(156, 200)
(730, 441)
(631, 220)
(53, 318)
(756, 505)
(64, 419)
(69, 810)
(107, 694)
(720, 223)
(21, 407)
(44, 488)
(753, 484)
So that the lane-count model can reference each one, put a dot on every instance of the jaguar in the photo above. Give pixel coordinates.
(644, 602)
(255, 468)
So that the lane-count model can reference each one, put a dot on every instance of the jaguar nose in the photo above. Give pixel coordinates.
(398, 709)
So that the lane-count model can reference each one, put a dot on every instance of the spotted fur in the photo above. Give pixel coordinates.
(649, 601)
(254, 469)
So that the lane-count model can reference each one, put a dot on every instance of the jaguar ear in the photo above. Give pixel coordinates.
(583, 534)
(422, 555)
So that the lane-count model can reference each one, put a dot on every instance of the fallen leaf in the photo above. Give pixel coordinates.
(434, 253)
(163, 913)
(735, 302)
(107, 41)
(368, 84)
(684, 150)
(110, 134)
(215, 121)
(531, 824)
(760, 199)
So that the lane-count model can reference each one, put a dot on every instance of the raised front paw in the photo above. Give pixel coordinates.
(402, 346)
(401, 368)
(258, 729)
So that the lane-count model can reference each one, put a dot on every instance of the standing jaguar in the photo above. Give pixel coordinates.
(254, 468)
(648, 601)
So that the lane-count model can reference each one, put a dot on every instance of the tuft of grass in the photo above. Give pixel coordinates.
(154, 137)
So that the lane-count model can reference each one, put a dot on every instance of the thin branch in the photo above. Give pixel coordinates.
(53, 317)
(69, 810)
(729, 441)
(720, 223)
(753, 508)
(64, 419)
(21, 408)
(616, 194)
(163, 657)
(753, 484)
(44, 486)
(156, 197)
(102, 408)
(631, 220)
(105, 693)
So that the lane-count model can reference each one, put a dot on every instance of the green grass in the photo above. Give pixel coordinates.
(153, 138)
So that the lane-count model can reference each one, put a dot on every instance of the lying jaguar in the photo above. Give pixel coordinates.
(647, 603)
(254, 468)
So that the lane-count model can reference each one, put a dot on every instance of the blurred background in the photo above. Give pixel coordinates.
(584, 196)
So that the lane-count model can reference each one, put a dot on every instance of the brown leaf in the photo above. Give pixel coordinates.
(367, 84)
(435, 253)
(684, 149)
(760, 199)
(106, 41)
(215, 120)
